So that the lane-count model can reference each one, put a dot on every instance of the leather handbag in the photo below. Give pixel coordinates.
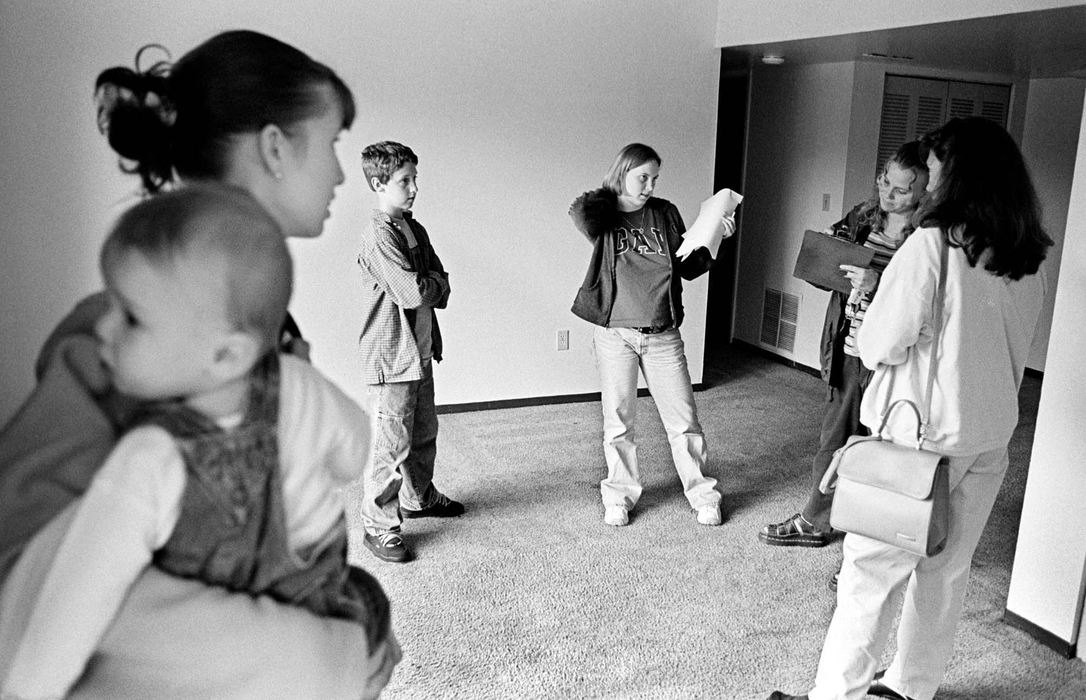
(895, 493)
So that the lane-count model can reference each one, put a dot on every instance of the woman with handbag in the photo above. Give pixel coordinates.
(982, 208)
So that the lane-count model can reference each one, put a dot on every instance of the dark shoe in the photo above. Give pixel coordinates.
(881, 691)
(442, 507)
(833, 581)
(778, 695)
(795, 532)
(387, 546)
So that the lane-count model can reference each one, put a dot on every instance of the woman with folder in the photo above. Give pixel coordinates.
(882, 224)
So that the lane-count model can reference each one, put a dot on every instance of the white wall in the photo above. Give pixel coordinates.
(797, 143)
(742, 22)
(1049, 573)
(1049, 144)
(513, 107)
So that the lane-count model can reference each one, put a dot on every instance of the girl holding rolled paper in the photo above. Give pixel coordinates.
(632, 293)
(983, 209)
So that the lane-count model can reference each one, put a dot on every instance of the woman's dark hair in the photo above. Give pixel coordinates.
(180, 119)
(984, 200)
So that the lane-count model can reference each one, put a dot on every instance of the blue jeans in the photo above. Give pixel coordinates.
(620, 352)
(405, 446)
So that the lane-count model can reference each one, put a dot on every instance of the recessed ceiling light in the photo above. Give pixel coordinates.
(772, 59)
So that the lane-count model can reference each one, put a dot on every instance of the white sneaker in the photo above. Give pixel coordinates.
(616, 515)
(709, 515)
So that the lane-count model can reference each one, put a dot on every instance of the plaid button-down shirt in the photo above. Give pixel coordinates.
(398, 283)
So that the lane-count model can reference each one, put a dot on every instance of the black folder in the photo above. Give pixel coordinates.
(820, 256)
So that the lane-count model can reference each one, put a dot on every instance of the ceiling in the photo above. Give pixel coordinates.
(1041, 44)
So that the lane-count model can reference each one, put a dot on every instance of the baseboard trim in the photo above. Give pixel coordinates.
(1061, 646)
(780, 359)
(469, 407)
(1030, 372)
(516, 403)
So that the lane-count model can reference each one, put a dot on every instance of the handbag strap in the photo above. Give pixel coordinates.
(922, 419)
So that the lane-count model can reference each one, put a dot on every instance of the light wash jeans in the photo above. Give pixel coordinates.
(620, 352)
(873, 573)
(404, 448)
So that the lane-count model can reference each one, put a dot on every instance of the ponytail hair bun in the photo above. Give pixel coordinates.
(135, 113)
(180, 120)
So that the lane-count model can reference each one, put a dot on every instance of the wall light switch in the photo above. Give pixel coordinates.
(825, 202)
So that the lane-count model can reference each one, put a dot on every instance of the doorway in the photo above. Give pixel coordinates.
(731, 138)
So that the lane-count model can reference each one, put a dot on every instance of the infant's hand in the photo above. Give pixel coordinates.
(81, 354)
(863, 279)
(390, 655)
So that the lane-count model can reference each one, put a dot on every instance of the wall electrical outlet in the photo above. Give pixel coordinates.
(561, 339)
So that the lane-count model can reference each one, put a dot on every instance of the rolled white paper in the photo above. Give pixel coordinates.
(708, 230)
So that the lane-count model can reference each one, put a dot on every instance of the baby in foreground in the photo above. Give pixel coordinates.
(230, 473)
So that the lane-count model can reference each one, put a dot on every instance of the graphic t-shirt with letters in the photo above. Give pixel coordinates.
(642, 271)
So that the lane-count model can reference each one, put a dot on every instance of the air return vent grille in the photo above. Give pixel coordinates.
(780, 313)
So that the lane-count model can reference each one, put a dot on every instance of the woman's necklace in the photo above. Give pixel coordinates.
(629, 223)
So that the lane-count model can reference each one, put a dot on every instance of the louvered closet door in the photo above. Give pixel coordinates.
(979, 100)
(911, 107)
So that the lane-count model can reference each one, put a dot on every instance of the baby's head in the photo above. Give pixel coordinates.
(198, 281)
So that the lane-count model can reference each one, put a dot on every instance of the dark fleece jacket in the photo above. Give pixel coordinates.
(596, 214)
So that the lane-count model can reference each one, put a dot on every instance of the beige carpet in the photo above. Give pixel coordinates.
(530, 595)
